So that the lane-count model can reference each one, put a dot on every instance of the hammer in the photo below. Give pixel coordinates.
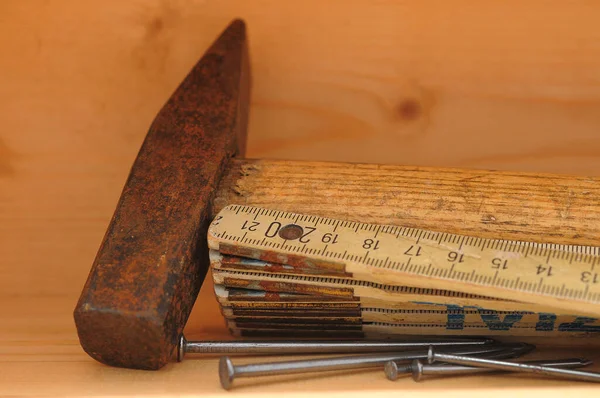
(154, 256)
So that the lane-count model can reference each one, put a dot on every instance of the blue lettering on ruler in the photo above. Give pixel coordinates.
(579, 325)
(493, 322)
(546, 322)
(456, 317)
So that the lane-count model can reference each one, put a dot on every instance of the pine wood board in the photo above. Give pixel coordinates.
(489, 84)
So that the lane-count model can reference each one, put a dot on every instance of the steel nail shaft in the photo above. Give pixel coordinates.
(418, 369)
(393, 369)
(280, 347)
(228, 371)
(434, 355)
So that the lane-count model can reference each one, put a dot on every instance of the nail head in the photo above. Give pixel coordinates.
(417, 370)
(226, 372)
(391, 370)
(430, 355)
(181, 348)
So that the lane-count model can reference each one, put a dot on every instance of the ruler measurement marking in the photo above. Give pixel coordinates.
(408, 263)
(451, 272)
(419, 236)
(387, 259)
(472, 276)
(539, 286)
(485, 243)
(556, 256)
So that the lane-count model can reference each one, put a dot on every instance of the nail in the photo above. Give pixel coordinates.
(419, 369)
(509, 351)
(228, 371)
(434, 355)
(280, 347)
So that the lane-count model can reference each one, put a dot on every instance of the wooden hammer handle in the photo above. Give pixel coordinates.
(544, 208)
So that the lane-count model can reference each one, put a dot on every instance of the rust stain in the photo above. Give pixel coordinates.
(312, 304)
(286, 320)
(154, 257)
(300, 313)
(298, 267)
(294, 327)
(249, 298)
(298, 261)
(289, 287)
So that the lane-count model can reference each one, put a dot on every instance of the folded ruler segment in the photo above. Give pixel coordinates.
(558, 276)
(262, 303)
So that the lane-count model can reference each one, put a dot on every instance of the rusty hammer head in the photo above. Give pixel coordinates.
(153, 259)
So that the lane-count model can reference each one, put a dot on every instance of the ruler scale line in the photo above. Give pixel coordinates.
(519, 269)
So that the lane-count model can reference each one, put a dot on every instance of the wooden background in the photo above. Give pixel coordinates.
(511, 85)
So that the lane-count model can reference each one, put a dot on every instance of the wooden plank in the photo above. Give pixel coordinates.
(508, 84)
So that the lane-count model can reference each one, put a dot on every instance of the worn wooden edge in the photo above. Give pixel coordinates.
(543, 208)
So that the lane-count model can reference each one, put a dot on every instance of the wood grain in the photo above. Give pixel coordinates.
(492, 204)
(512, 85)
(508, 85)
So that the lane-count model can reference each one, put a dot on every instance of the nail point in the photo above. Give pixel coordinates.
(226, 372)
